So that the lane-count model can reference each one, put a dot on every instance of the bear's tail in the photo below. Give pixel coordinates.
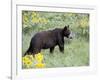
(29, 51)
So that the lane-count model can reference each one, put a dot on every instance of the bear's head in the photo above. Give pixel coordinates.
(67, 32)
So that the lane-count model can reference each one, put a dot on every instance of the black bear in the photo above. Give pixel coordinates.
(48, 39)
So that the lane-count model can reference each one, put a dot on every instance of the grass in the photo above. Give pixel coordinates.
(76, 53)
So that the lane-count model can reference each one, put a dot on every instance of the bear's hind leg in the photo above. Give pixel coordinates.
(51, 49)
(36, 51)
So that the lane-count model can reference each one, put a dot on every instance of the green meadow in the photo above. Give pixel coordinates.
(76, 50)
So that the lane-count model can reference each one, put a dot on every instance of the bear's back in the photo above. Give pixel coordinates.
(45, 36)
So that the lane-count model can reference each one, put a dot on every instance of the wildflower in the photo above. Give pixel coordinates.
(39, 57)
(34, 14)
(28, 64)
(25, 19)
(31, 57)
(35, 20)
(40, 20)
(40, 65)
(84, 23)
(27, 60)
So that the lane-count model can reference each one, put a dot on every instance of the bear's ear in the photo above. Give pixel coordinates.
(66, 27)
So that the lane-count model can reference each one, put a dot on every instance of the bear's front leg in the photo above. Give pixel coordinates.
(61, 43)
(61, 48)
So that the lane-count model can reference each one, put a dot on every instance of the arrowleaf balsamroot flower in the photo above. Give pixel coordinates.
(29, 61)
(40, 65)
(39, 60)
(39, 57)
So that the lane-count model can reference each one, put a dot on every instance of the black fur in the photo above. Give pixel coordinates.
(48, 39)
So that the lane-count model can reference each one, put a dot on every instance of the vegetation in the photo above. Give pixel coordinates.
(76, 51)
(29, 61)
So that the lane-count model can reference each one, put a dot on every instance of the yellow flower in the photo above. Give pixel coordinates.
(35, 20)
(40, 65)
(34, 14)
(25, 19)
(39, 57)
(31, 57)
(84, 23)
(28, 64)
(40, 20)
(27, 60)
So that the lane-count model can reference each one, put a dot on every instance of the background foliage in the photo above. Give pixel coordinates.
(76, 50)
